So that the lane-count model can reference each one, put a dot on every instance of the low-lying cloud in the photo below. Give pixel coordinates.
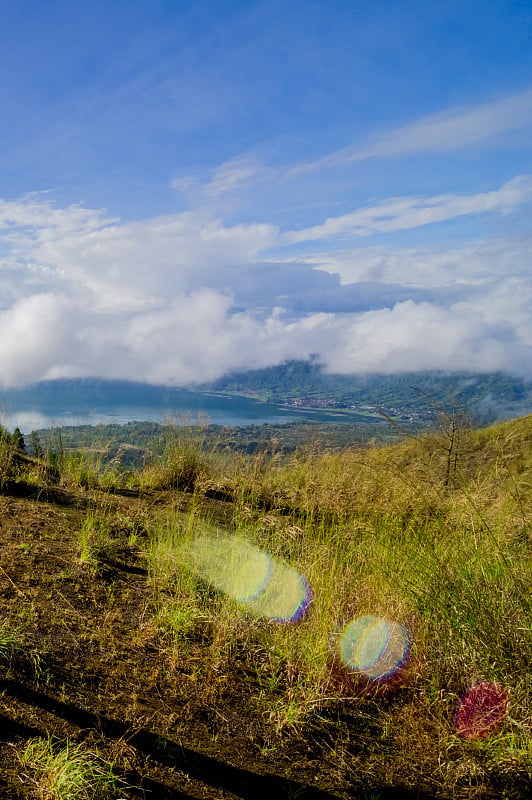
(185, 298)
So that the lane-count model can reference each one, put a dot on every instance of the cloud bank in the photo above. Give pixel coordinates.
(184, 298)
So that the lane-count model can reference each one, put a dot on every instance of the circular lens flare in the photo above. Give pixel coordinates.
(482, 710)
(374, 646)
(285, 597)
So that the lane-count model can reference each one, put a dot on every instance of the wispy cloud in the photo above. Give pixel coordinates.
(402, 213)
(34, 219)
(453, 129)
(231, 176)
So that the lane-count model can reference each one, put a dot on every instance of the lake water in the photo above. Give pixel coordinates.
(32, 412)
(33, 419)
(92, 401)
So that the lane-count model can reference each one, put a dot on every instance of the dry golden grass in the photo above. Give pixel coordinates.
(431, 533)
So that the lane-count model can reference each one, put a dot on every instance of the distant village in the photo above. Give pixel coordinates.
(330, 402)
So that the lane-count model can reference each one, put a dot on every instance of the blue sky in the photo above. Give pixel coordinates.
(188, 188)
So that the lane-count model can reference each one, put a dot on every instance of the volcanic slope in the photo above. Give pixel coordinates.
(112, 647)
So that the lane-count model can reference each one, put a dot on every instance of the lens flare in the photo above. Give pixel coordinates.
(232, 566)
(374, 646)
(482, 710)
(286, 595)
(264, 585)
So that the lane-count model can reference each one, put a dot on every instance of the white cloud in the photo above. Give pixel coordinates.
(192, 338)
(37, 332)
(33, 219)
(154, 300)
(402, 213)
(474, 264)
(453, 129)
(424, 336)
(131, 300)
(138, 264)
(231, 176)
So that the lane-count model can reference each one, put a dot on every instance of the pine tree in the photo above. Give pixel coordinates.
(18, 439)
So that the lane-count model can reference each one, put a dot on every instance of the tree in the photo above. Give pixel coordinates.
(35, 444)
(18, 439)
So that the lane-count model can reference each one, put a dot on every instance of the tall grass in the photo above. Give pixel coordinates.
(441, 546)
(185, 461)
(8, 463)
(432, 533)
(12, 640)
(66, 771)
(96, 539)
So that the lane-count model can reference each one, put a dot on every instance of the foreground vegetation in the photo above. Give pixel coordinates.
(116, 653)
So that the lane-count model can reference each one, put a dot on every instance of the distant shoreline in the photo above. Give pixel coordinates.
(289, 392)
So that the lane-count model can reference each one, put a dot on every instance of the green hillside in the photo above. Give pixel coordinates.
(488, 397)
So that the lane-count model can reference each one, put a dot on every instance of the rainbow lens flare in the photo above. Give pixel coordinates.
(264, 585)
(374, 646)
(286, 595)
(482, 710)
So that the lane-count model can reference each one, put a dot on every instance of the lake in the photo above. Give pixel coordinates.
(90, 402)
